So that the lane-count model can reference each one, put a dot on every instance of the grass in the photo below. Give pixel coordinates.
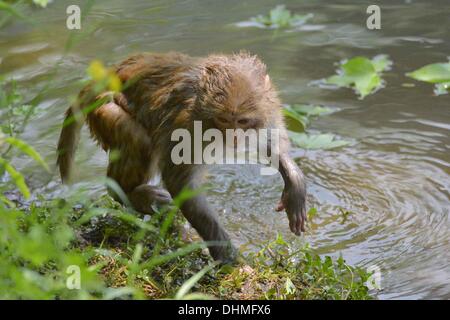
(120, 255)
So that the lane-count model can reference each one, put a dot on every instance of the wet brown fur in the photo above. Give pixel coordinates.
(164, 92)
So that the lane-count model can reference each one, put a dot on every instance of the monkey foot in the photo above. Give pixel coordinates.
(145, 197)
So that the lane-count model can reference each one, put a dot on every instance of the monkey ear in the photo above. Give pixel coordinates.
(267, 83)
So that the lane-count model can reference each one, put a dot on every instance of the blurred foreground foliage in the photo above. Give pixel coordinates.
(122, 256)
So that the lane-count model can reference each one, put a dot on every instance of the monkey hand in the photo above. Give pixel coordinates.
(293, 200)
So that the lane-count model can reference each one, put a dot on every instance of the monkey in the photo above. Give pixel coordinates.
(167, 91)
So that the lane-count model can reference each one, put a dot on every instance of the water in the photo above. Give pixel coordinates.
(395, 178)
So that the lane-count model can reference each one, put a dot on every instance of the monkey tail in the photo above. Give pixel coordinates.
(68, 142)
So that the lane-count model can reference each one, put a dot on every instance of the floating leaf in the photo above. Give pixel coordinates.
(294, 120)
(437, 73)
(280, 17)
(298, 116)
(432, 73)
(42, 3)
(381, 62)
(311, 110)
(316, 141)
(361, 73)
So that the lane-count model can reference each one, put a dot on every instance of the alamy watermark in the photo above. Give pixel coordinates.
(73, 21)
(73, 281)
(373, 22)
(238, 146)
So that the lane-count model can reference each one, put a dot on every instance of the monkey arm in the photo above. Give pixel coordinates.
(197, 211)
(293, 199)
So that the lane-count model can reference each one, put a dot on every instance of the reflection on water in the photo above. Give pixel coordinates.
(394, 181)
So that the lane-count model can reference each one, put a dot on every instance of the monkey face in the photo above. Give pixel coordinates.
(235, 105)
(235, 93)
(225, 121)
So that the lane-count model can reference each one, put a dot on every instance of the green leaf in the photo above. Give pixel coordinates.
(298, 116)
(294, 120)
(437, 73)
(432, 73)
(42, 3)
(280, 17)
(9, 8)
(28, 150)
(290, 287)
(381, 62)
(17, 178)
(361, 73)
(316, 141)
(311, 110)
(187, 286)
(311, 213)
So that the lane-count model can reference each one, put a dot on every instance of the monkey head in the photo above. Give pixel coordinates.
(234, 92)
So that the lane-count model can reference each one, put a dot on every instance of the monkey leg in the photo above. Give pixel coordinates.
(132, 177)
(114, 128)
(198, 213)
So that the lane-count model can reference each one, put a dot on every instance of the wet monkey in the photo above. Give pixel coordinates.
(169, 91)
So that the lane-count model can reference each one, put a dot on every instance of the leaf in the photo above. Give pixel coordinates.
(361, 74)
(280, 17)
(316, 141)
(290, 287)
(17, 178)
(312, 213)
(294, 120)
(432, 73)
(187, 286)
(27, 149)
(298, 116)
(42, 3)
(9, 8)
(381, 62)
(311, 110)
(437, 73)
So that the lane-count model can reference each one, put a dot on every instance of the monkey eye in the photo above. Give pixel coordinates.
(244, 121)
(222, 119)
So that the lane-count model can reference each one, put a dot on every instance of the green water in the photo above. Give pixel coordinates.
(395, 178)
